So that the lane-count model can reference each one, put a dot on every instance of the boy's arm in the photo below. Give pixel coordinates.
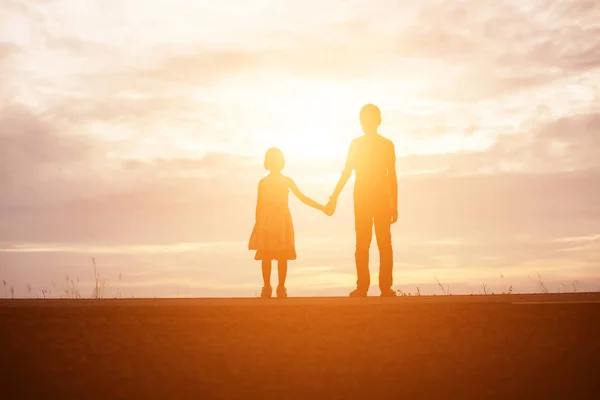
(303, 198)
(393, 184)
(346, 174)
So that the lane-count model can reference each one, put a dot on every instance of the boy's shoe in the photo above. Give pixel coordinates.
(358, 293)
(281, 292)
(389, 293)
(266, 292)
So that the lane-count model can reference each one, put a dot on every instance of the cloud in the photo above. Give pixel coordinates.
(202, 67)
(210, 197)
(33, 156)
(569, 143)
(7, 53)
(127, 106)
(477, 226)
(456, 51)
(7, 50)
(500, 205)
(504, 47)
(213, 196)
(220, 206)
(577, 139)
(118, 128)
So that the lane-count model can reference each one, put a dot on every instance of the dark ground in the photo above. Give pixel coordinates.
(459, 347)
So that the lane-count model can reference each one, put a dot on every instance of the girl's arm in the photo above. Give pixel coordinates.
(305, 199)
(258, 201)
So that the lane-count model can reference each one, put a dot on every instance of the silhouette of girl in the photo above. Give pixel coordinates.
(273, 233)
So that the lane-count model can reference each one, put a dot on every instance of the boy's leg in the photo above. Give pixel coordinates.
(386, 255)
(266, 273)
(363, 224)
(282, 272)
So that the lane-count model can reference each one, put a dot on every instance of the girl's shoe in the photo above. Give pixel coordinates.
(281, 292)
(266, 292)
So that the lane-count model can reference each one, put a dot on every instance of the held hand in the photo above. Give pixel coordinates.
(394, 215)
(330, 208)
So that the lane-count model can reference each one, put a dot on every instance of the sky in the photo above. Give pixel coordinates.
(134, 132)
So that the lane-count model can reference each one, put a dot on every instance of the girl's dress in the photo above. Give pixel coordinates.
(273, 233)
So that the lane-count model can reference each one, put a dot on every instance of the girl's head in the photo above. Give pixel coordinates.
(274, 160)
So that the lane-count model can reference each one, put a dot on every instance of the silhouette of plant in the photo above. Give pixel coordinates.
(573, 286)
(446, 290)
(509, 291)
(485, 289)
(100, 286)
(510, 288)
(119, 295)
(543, 287)
(72, 289)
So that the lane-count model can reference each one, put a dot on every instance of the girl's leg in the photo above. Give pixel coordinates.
(282, 271)
(266, 273)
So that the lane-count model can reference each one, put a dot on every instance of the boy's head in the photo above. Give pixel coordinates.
(370, 118)
(274, 160)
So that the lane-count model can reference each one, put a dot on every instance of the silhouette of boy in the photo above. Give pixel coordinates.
(373, 158)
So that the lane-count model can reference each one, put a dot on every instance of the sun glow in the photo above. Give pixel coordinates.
(308, 121)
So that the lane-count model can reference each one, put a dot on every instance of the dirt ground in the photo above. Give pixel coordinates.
(459, 347)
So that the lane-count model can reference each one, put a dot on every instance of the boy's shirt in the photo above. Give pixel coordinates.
(371, 157)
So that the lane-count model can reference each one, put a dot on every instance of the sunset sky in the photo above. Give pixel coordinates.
(134, 132)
